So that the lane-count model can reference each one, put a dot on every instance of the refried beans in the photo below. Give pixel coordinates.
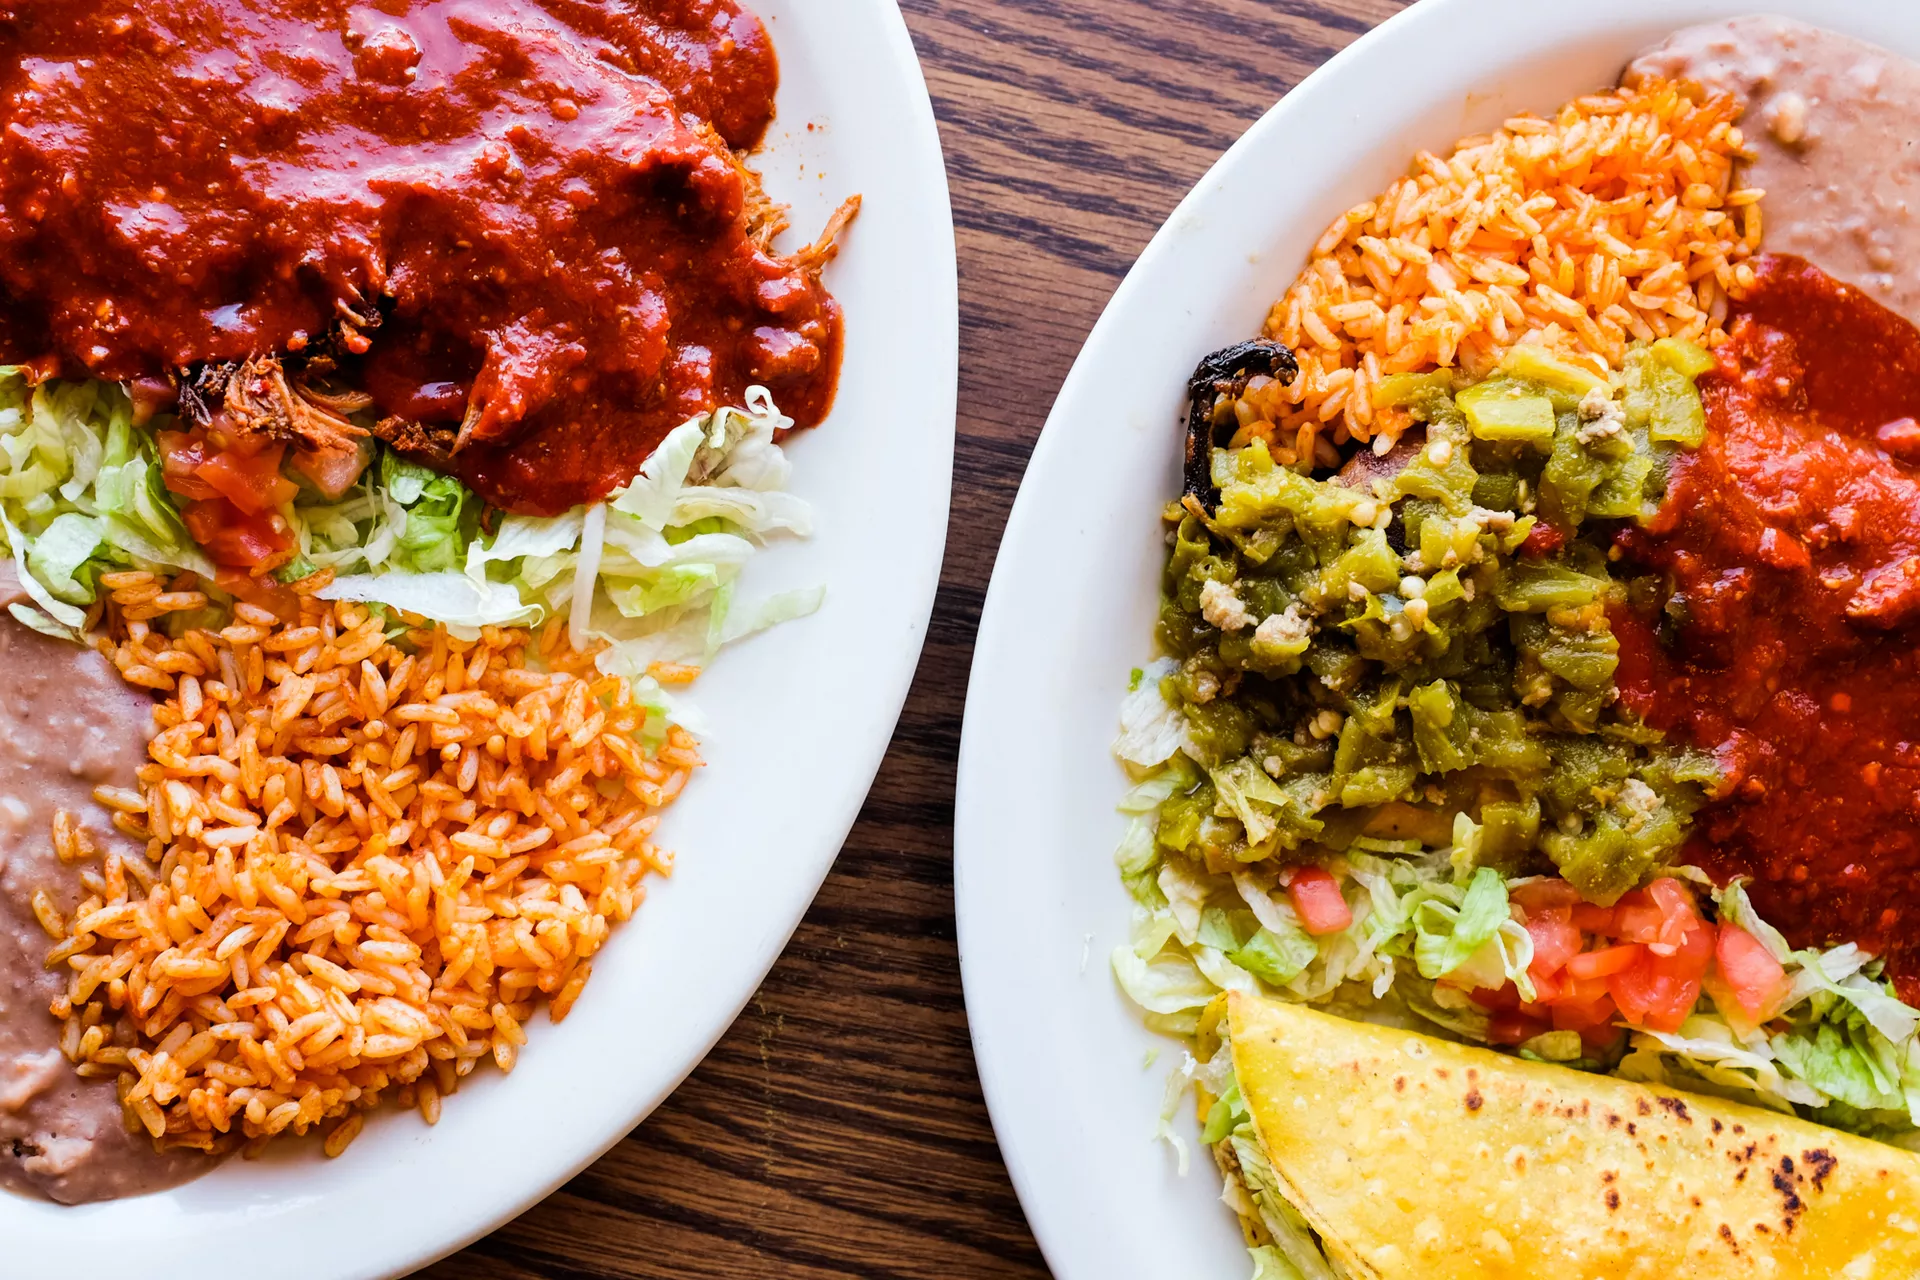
(68, 724)
(1831, 123)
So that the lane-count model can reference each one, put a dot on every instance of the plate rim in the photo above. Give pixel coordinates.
(926, 224)
(991, 1064)
(1060, 1224)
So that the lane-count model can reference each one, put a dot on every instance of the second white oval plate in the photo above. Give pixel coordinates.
(1076, 587)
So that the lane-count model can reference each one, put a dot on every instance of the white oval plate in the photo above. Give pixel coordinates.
(797, 720)
(1075, 592)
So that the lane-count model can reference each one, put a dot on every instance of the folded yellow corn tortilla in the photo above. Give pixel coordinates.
(1419, 1158)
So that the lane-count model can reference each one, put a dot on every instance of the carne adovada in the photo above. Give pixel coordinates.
(523, 228)
(1540, 622)
(388, 395)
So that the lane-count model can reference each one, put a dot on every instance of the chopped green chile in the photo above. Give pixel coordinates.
(1535, 587)
(1405, 390)
(1378, 652)
(1555, 374)
(1508, 410)
(1509, 830)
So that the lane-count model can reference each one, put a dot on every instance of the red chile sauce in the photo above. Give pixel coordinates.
(1792, 543)
(536, 201)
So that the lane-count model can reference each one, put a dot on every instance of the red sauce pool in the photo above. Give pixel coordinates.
(1792, 543)
(533, 207)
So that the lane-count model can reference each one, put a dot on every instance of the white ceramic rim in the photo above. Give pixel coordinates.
(756, 832)
(1074, 592)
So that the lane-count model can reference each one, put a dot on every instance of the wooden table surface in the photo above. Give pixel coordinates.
(838, 1130)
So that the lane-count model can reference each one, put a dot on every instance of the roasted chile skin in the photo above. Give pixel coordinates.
(539, 201)
(1224, 372)
(1789, 645)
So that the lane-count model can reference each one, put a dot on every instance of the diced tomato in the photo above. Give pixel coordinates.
(332, 471)
(1636, 919)
(264, 592)
(182, 454)
(251, 482)
(1316, 896)
(204, 519)
(1574, 990)
(1659, 991)
(1601, 1038)
(1580, 1015)
(1514, 1028)
(1542, 540)
(1591, 919)
(1633, 989)
(152, 395)
(237, 540)
(1678, 916)
(1546, 989)
(1756, 980)
(1539, 897)
(1555, 942)
(1660, 915)
(1694, 956)
(1504, 998)
(233, 488)
(1605, 961)
(243, 470)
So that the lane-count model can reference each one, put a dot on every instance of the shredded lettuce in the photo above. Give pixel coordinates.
(586, 574)
(450, 598)
(1270, 1264)
(1707, 1057)
(1276, 957)
(439, 510)
(1841, 1048)
(1471, 930)
(80, 495)
(1179, 1081)
(663, 554)
(654, 494)
(1168, 983)
(1429, 927)
(1152, 730)
(59, 555)
(526, 538)
(1875, 1004)
(62, 613)
(1293, 1240)
(1844, 1061)
(399, 518)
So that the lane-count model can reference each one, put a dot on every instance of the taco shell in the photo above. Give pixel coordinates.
(1416, 1158)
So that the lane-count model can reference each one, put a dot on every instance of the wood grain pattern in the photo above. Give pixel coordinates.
(838, 1129)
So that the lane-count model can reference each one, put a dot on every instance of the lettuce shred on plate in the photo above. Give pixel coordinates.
(653, 569)
(1382, 769)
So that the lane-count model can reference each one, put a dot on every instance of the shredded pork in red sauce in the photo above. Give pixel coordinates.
(522, 225)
